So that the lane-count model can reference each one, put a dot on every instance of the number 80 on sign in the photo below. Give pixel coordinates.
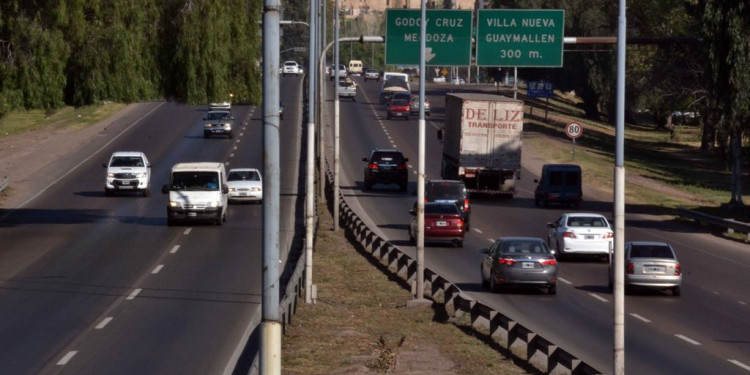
(573, 130)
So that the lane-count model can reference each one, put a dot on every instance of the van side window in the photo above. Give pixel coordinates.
(556, 178)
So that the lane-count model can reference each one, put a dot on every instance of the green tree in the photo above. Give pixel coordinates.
(726, 26)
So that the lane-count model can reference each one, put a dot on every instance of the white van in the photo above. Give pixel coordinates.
(355, 67)
(197, 191)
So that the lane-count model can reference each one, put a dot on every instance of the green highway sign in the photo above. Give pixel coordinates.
(523, 38)
(447, 39)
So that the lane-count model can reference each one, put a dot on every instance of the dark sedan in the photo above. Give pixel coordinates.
(443, 222)
(519, 261)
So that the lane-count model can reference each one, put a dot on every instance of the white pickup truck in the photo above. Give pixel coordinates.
(291, 67)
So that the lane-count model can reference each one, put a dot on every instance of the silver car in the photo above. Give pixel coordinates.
(650, 265)
(519, 261)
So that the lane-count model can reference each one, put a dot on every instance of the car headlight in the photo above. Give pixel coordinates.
(213, 204)
(141, 175)
(174, 204)
(231, 189)
(255, 189)
(111, 175)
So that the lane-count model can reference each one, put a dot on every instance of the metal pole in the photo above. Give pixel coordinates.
(515, 82)
(619, 201)
(310, 179)
(270, 330)
(420, 173)
(336, 103)
(321, 93)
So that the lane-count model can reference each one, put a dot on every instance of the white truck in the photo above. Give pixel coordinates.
(482, 142)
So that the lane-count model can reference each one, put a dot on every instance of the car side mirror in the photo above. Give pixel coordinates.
(104, 165)
(224, 189)
(551, 224)
(165, 189)
(486, 250)
(440, 134)
(406, 159)
(148, 165)
(364, 159)
(536, 181)
(413, 212)
(204, 119)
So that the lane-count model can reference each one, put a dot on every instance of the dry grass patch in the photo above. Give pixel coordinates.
(18, 122)
(361, 325)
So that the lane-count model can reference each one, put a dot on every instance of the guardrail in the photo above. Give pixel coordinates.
(485, 321)
(4, 183)
(729, 224)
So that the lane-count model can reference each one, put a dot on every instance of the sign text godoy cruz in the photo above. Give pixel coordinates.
(524, 38)
(447, 37)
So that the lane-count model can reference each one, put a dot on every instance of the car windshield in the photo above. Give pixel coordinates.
(525, 247)
(443, 190)
(441, 209)
(243, 176)
(290, 64)
(587, 221)
(388, 157)
(195, 181)
(218, 116)
(126, 161)
(650, 251)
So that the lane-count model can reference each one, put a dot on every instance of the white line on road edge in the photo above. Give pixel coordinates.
(134, 293)
(157, 269)
(64, 361)
(688, 339)
(187, 231)
(738, 363)
(599, 297)
(640, 318)
(104, 322)
(174, 249)
(565, 281)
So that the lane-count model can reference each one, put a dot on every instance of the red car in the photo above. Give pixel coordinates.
(443, 222)
(398, 108)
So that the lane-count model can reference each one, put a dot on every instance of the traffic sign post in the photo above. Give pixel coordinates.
(447, 37)
(573, 130)
(520, 38)
(540, 89)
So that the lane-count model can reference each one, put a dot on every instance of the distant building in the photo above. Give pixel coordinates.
(354, 8)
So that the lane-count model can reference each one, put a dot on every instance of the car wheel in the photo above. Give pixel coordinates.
(536, 202)
(205, 135)
(485, 283)
(460, 244)
(231, 135)
(107, 193)
(368, 185)
(494, 288)
(354, 99)
(412, 240)
(610, 285)
(402, 187)
(467, 225)
(147, 192)
(170, 222)
(676, 291)
(559, 254)
(552, 289)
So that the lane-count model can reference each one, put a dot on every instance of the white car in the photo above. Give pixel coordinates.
(245, 184)
(581, 233)
(128, 171)
(291, 67)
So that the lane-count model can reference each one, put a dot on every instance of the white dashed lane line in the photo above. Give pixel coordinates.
(599, 297)
(65, 359)
(157, 269)
(104, 322)
(738, 363)
(174, 249)
(640, 318)
(133, 294)
(688, 339)
(565, 281)
(187, 231)
(477, 230)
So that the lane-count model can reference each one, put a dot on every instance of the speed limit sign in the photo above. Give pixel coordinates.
(573, 130)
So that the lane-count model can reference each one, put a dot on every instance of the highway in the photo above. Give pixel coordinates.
(705, 331)
(101, 285)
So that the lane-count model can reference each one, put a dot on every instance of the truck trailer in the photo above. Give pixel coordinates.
(482, 142)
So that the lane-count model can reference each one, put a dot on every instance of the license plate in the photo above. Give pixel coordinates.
(441, 223)
(654, 269)
(126, 182)
(192, 214)
(243, 194)
(588, 237)
(527, 265)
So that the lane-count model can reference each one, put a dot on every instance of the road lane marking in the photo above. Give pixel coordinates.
(492, 240)
(174, 249)
(742, 303)
(565, 281)
(104, 322)
(738, 363)
(157, 269)
(640, 318)
(231, 155)
(688, 339)
(599, 297)
(133, 294)
(65, 359)
(187, 231)
(477, 230)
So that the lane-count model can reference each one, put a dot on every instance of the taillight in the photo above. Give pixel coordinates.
(466, 204)
(401, 166)
(507, 261)
(372, 166)
(548, 262)
(677, 269)
(460, 223)
(570, 235)
(609, 235)
(630, 269)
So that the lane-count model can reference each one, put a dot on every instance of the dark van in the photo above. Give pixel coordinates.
(559, 183)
